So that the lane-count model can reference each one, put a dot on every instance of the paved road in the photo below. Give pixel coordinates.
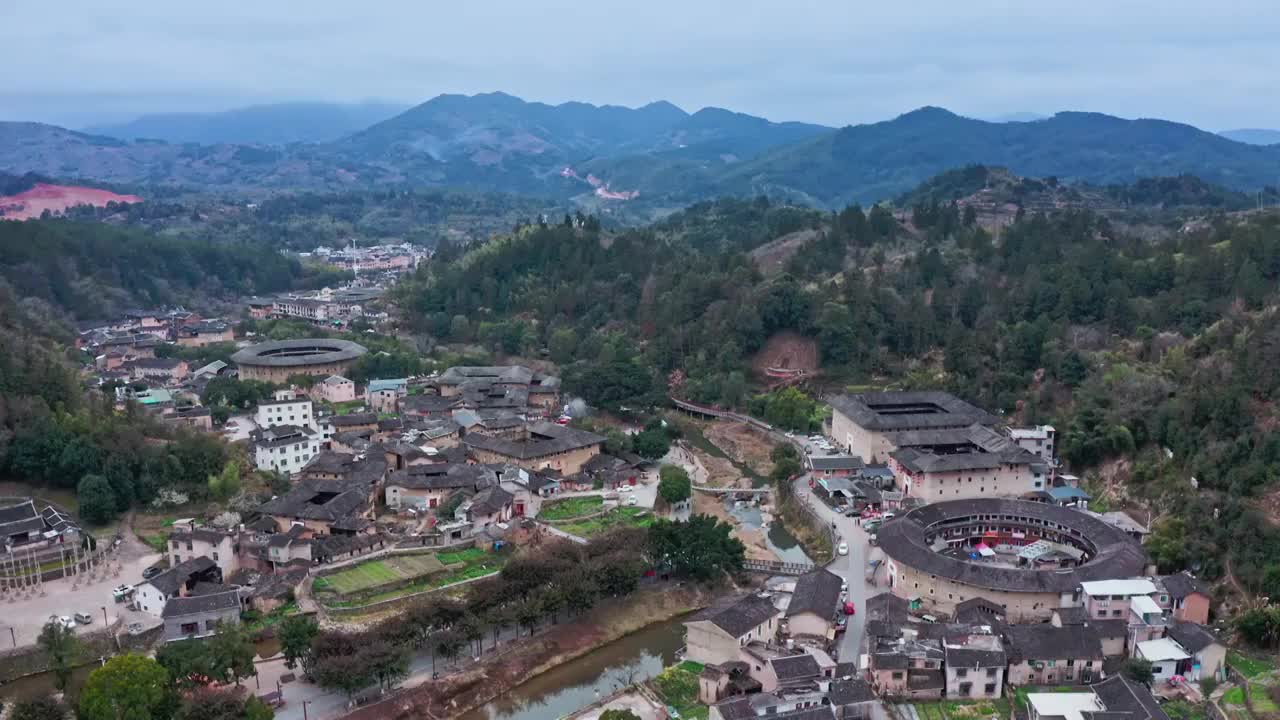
(851, 567)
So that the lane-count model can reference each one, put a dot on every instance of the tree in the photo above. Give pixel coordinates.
(44, 707)
(448, 644)
(222, 704)
(188, 662)
(226, 483)
(388, 663)
(1260, 626)
(653, 442)
(127, 687)
(231, 652)
(618, 714)
(97, 500)
(700, 549)
(1139, 670)
(62, 647)
(674, 485)
(296, 634)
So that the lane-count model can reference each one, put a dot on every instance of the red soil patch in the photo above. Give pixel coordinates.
(787, 350)
(56, 199)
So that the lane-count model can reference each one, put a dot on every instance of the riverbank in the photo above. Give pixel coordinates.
(527, 658)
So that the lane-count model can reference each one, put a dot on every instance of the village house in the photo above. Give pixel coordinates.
(1208, 654)
(975, 665)
(196, 417)
(1146, 621)
(767, 705)
(428, 406)
(717, 634)
(813, 606)
(178, 581)
(168, 371)
(284, 448)
(544, 446)
(1115, 697)
(198, 616)
(1113, 633)
(426, 487)
(189, 540)
(383, 396)
(1185, 597)
(487, 508)
(1111, 598)
(204, 333)
(334, 389)
(286, 409)
(528, 490)
(323, 507)
(787, 671)
(1038, 440)
(834, 466)
(1042, 654)
(354, 422)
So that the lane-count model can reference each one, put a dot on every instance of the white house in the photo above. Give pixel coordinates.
(286, 409)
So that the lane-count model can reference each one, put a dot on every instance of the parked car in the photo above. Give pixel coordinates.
(849, 609)
(135, 628)
(120, 593)
(151, 572)
(83, 618)
(65, 621)
(631, 500)
(843, 549)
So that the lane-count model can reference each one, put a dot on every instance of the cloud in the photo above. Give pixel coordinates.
(836, 62)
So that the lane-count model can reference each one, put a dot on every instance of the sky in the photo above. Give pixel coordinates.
(837, 62)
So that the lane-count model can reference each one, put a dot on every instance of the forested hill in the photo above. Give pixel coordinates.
(1127, 342)
(96, 271)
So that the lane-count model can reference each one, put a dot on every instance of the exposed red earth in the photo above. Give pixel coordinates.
(56, 199)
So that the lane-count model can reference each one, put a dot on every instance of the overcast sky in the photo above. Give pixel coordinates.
(1212, 64)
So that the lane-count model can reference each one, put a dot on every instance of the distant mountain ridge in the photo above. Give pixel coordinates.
(1253, 136)
(274, 124)
(656, 156)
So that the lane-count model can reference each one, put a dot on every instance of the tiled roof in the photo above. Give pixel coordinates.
(816, 592)
(198, 604)
(739, 617)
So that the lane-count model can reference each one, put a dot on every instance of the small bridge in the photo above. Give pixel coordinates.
(731, 490)
(718, 414)
(774, 567)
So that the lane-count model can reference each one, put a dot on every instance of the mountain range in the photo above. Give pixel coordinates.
(653, 156)
(276, 124)
(1253, 136)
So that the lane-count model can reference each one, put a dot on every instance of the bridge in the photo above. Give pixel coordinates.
(717, 413)
(775, 567)
(708, 489)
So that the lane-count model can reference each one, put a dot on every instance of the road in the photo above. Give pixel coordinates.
(851, 567)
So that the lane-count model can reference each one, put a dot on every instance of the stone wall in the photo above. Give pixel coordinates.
(96, 644)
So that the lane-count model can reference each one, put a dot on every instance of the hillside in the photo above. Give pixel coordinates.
(276, 124)
(653, 159)
(1128, 341)
(871, 162)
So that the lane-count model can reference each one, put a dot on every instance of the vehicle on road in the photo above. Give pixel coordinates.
(65, 621)
(120, 593)
(843, 549)
(83, 618)
(849, 609)
(151, 572)
(631, 500)
(135, 628)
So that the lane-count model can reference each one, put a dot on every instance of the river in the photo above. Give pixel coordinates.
(576, 684)
(778, 539)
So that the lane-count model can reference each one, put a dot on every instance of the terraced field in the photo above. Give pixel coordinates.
(375, 573)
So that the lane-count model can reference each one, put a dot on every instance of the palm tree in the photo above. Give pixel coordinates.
(62, 646)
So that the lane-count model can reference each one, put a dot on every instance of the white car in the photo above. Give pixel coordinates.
(66, 621)
(844, 586)
(631, 500)
(843, 549)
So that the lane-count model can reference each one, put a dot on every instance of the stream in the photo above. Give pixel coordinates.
(578, 683)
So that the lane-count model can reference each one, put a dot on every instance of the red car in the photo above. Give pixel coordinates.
(849, 609)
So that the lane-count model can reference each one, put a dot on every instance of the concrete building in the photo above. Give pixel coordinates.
(334, 389)
(178, 581)
(286, 409)
(167, 371)
(284, 448)
(189, 540)
(1111, 598)
(862, 423)
(1208, 654)
(1043, 654)
(1184, 597)
(383, 396)
(1115, 697)
(205, 333)
(427, 487)
(1040, 440)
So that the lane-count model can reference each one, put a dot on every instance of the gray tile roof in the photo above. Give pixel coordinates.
(796, 667)
(1121, 695)
(1192, 637)
(177, 576)
(1046, 642)
(442, 476)
(1180, 585)
(228, 599)
(740, 616)
(816, 592)
(907, 410)
(545, 438)
(850, 692)
(905, 540)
